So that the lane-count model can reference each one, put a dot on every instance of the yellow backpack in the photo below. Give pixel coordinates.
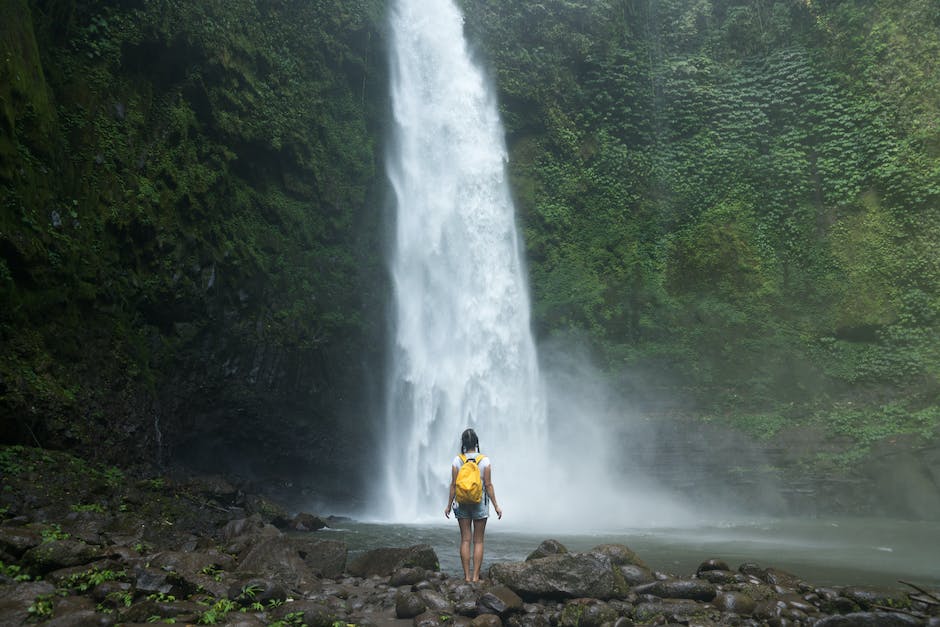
(469, 484)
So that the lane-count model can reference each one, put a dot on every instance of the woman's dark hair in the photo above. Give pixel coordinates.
(469, 441)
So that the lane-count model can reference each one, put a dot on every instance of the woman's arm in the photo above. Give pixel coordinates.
(453, 491)
(489, 490)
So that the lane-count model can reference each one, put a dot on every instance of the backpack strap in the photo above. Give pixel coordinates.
(463, 459)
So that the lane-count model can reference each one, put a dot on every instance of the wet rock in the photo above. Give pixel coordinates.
(435, 601)
(587, 613)
(80, 618)
(16, 599)
(712, 564)
(499, 600)
(635, 575)
(309, 612)
(216, 488)
(870, 619)
(866, 597)
(325, 558)
(192, 563)
(752, 569)
(385, 561)
(431, 619)
(256, 589)
(17, 540)
(736, 602)
(546, 548)
(143, 611)
(155, 581)
(672, 610)
(619, 554)
(777, 577)
(466, 607)
(486, 620)
(528, 620)
(305, 522)
(57, 554)
(295, 561)
(407, 577)
(719, 577)
(409, 605)
(694, 589)
(570, 575)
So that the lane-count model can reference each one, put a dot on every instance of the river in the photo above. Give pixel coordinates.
(824, 551)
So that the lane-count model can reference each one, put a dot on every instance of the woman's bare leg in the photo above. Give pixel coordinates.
(479, 528)
(465, 546)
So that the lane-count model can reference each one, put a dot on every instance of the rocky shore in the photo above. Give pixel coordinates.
(81, 545)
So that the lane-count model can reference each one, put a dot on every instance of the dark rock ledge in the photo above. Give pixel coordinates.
(107, 551)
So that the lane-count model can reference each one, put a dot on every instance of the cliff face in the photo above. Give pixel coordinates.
(189, 228)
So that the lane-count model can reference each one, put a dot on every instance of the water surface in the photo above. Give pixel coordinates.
(826, 551)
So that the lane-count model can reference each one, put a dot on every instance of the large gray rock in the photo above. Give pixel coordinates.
(499, 600)
(409, 605)
(17, 540)
(15, 600)
(383, 562)
(546, 548)
(295, 560)
(870, 619)
(619, 554)
(587, 613)
(570, 575)
(57, 554)
(694, 589)
(866, 597)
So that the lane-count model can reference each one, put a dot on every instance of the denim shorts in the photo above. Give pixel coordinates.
(474, 512)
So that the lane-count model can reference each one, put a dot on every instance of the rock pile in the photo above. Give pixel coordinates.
(103, 551)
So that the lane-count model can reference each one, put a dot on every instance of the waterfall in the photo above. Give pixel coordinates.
(463, 353)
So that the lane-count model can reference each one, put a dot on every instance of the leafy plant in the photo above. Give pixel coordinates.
(53, 533)
(41, 608)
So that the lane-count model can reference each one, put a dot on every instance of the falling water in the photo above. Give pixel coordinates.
(464, 354)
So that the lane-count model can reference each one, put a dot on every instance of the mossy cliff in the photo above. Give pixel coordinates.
(189, 228)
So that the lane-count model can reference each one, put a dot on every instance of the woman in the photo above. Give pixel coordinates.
(472, 518)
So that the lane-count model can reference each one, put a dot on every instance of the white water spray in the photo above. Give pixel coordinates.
(464, 354)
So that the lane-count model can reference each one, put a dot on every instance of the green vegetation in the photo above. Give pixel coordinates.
(184, 187)
(739, 201)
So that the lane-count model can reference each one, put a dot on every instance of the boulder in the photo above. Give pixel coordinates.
(499, 599)
(587, 613)
(735, 602)
(546, 548)
(671, 610)
(867, 596)
(693, 589)
(16, 599)
(431, 619)
(409, 605)
(569, 575)
(712, 564)
(57, 554)
(294, 560)
(17, 540)
(870, 619)
(435, 601)
(312, 613)
(635, 575)
(619, 554)
(305, 522)
(383, 562)
(486, 620)
(407, 577)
